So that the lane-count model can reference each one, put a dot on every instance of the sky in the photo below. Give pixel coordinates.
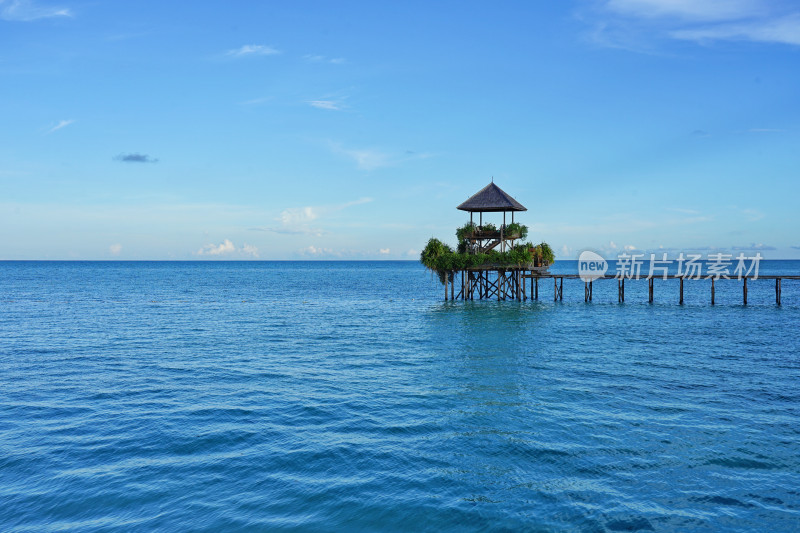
(298, 129)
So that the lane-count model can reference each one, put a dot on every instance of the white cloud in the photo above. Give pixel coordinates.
(384, 251)
(368, 159)
(785, 30)
(253, 50)
(61, 124)
(317, 58)
(412, 253)
(313, 250)
(256, 101)
(696, 10)
(227, 247)
(115, 249)
(249, 249)
(633, 24)
(298, 215)
(26, 11)
(325, 104)
(753, 214)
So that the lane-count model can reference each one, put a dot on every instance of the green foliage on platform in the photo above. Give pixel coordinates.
(543, 255)
(440, 258)
(517, 229)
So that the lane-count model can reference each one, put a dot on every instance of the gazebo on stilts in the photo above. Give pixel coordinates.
(491, 280)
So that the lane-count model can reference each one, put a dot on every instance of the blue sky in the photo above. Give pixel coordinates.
(351, 130)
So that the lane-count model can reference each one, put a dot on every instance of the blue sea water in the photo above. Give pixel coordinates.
(348, 396)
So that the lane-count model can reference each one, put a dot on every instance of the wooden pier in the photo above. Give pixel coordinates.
(522, 283)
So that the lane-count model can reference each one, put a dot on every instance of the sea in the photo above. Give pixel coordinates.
(350, 396)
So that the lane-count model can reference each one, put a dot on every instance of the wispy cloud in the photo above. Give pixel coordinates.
(331, 105)
(227, 248)
(297, 220)
(372, 159)
(367, 159)
(256, 101)
(61, 124)
(26, 11)
(634, 24)
(135, 158)
(316, 58)
(785, 30)
(694, 10)
(766, 130)
(115, 249)
(253, 50)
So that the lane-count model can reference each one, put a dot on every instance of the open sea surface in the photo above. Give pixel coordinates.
(348, 396)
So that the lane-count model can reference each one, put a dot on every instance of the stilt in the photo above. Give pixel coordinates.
(623, 290)
(536, 289)
(712, 291)
(681, 297)
(585, 291)
(524, 283)
(650, 290)
(452, 285)
(555, 290)
(561, 289)
(619, 290)
(744, 292)
(590, 291)
(447, 275)
(499, 283)
(778, 291)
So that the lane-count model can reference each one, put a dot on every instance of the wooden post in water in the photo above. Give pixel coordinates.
(622, 291)
(585, 291)
(712, 291)
(590, 291)
(744, 291)
(536, 288)
(650, 290)
(778, 291)
(561, 289)
(555, 290)
(452, 286)
(681, 300)
(446, 277)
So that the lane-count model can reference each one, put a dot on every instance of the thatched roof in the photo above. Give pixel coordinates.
(491, 198)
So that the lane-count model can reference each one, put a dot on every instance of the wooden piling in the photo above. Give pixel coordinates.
(778, 291)
(585, 291)
(650, 290)
(712, 291)
(590, 291)
(681, 299)
(744, 292)
(447, 275)
(561, 289)
(555, 289)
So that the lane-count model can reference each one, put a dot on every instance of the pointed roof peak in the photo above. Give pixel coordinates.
(491, 198)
